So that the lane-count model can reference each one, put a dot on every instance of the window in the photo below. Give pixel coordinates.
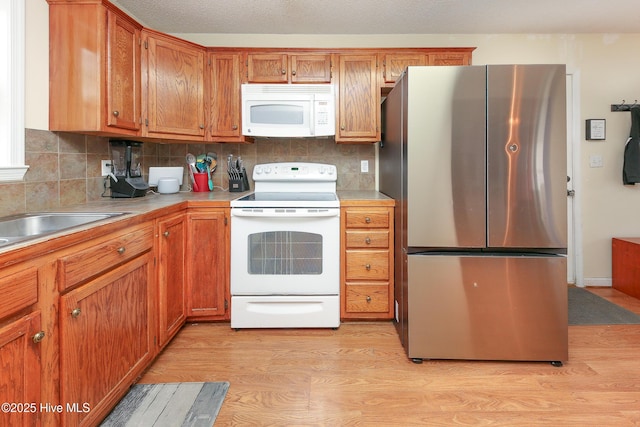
(12, 47)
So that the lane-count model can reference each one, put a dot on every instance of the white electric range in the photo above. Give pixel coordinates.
(285, 249)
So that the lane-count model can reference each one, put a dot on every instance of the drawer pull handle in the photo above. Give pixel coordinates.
(38, 337)
(367, 220)
(368, 298)
(116, 113)
(121, 250)
(368, 267)
(76, 312)
(166, 233)
(283, 71)
(367, 241)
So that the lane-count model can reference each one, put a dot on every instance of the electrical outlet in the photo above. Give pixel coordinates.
(106, 167)
(364, 166)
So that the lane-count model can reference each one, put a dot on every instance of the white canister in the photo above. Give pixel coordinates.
(168, 185)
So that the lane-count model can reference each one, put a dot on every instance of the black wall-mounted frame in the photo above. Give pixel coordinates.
(596, 129)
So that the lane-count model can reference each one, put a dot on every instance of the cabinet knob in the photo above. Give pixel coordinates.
(121, 250)
(116, 113)
(342, 127)
(367, 240)
(368, 298)
(38, 337)
(234, 127)
(201, 126)
(367, 220)
(76, 312)
(293, 73)
(368, 267)
(284, 71)
(166, 233)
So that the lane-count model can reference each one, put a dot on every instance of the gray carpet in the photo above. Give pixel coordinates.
(586, 308)
(170, 405)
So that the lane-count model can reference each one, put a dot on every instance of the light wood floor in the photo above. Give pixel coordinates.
(359, 375)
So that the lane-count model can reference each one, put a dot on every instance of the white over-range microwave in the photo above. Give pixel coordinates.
(288, 110)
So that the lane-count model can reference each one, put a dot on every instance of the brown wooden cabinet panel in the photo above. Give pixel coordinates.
(358, 107)
(394, 65)
(105, 339)
(225, 113)
(366, 277)
(171, 276)
(275, 67)
(94, 70)
(311, 68)
(207, 264)
(123, 73)
(625, 265)
(450, 58)
(21, 370)
(175, 88)
(267, 68)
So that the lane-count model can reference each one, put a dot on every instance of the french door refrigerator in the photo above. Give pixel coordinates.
(475, 157)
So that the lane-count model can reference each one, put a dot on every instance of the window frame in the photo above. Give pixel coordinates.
(12, 151)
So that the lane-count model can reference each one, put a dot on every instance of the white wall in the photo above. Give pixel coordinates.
(605, 65)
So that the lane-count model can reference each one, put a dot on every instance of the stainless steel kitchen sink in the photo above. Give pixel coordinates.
(19, 228)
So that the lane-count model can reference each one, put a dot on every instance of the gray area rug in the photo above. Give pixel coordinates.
(586, 308)
(170, 404)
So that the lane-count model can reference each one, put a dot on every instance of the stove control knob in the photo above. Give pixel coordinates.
(258, 170)
(267, 170)
(331, 170)
(322, 170)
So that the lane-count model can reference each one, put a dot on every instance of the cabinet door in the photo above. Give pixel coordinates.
(175, 92)
(20, 371)
(394, 64)
(358, 114)
(207, 261)
(171, 276)
(310, 68)
(123, 73)
(267, 68)
(224, 97)
(105, 339)
(450, 58)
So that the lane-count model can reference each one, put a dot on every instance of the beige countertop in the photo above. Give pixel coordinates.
(144, 208)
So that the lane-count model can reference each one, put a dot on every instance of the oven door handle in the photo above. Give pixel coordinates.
(285, 213)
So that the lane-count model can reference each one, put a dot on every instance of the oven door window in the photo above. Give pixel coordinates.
(285, 253)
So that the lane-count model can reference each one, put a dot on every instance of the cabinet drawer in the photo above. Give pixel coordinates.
(367, 239)
(19, 289)
(369, 265)
(367, 298)
(367, 219)
(108, 253)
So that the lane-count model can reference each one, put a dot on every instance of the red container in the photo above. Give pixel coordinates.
(202, 182)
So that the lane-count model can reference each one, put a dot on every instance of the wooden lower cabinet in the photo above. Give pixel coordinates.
(366, 261)
(172, 232)
(106, 340)
(207, 250)
(625, 265)
(21, 371)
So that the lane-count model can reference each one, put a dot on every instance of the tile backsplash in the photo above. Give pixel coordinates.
(64, 168)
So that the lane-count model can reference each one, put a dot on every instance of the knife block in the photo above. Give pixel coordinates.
(237, 185)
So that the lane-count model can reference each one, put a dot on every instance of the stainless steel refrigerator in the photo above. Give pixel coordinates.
(475, 157)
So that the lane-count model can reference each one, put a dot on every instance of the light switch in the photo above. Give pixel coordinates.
(595, 161)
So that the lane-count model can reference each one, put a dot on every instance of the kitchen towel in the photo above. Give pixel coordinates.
(193, 404)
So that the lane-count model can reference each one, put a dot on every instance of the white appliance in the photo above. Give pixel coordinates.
(285, 249)
(280, 110)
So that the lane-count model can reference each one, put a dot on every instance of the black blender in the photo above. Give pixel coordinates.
(126, 178)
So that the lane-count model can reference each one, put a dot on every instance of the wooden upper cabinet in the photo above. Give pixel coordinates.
(288, 68)
(312, 68)
(358, 104)
(450, 58)
(394, 64)
(123, 73)
(94, 70)
(174, 87)
(225, 78)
